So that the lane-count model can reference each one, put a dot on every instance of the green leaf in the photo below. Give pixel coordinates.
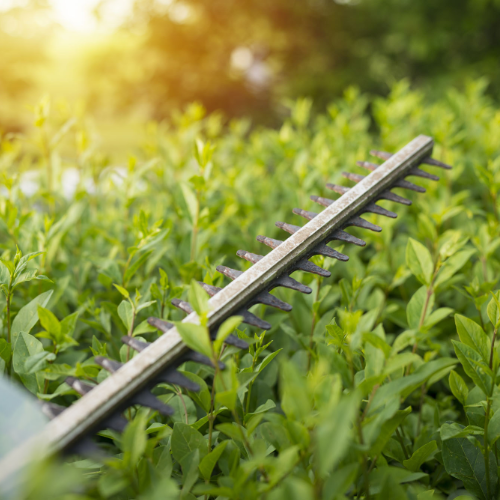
(474, 366)
(452, 265)
(4, 274)
(437, 316)
(493, 309)
(473, 335)
(225, 330)
(336, 428)
(233, 430)
(464, 461)
(134, 441)
(458, 387)
(122, 290)
(185, 439)
(340, 481)
(26, 346)
(28, 315)
(419, 260)
(38, 362)
(387, 430)
(420, 456)
(191, 202)
(126, 314)
(267, 360)
(416, 306)
(210, 461)
(198, 298)
(195, 337)
(129, 274)
(494, 427)
(5, 350)
(50, 322)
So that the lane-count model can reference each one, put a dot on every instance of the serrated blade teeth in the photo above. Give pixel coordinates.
(203, 360)
(368, 165)
(409, 185)
(388, 195)
(135, 344)
(51, 410)
(252, 320)
(108, 364)
(417, 172)
(359, 222)
(322, 249)
(326, 202)
(251, 257)
(349, 238)
(230, 273)
(338, 189)
(80, 387)
(210, 289)
(160, 324)
(436, 163)
(289, 228)
(270, 242)
(375, 209)
(172, 376)
(270, 300)
(304, 213)
(309, 267)
(182, 305)
(429, 161)
(145, 398)
(287, 282)
(383, 155)
(353, 177)
(236, 341)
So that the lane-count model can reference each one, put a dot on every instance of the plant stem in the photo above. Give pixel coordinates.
(492, 348)
(402, 443)
(486, 448)
(313, 324)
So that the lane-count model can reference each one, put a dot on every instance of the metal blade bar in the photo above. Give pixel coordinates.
(86, 413)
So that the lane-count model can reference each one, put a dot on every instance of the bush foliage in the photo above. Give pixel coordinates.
(380, 384)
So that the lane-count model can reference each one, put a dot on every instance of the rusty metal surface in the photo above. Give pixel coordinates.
(86, 414)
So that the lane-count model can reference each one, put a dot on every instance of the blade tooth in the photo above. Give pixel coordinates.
(388, 195)
(210, 289)
(115, 422)
(135, 344)
(436, 163)
(250, 319)
(182, 305)
(160, 324)
(427, 161)
(230, 273)
(353, 177)
(338, 189)
(270, 300)
(309, 267)
(322, 249)
(145, 398)
(270, 242)
(304, 213)
(203, 360)
(417, 172)
(171, 376)
(108, 364)
(368, 165)
(349, 238)
(375, 209)
(251, 257)
(289, 228)
(409, 185)
(359, 222)
(50, 410)
(326, 202)
(80, 387)
(287, 282)
(85, 448)
(236, 341)
(380, 154)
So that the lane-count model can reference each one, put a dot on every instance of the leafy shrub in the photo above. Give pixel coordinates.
(381, 383)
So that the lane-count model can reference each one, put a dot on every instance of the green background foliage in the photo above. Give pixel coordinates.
(381, 383)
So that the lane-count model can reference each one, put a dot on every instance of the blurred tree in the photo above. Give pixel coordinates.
(24, 33)
(245, 57)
